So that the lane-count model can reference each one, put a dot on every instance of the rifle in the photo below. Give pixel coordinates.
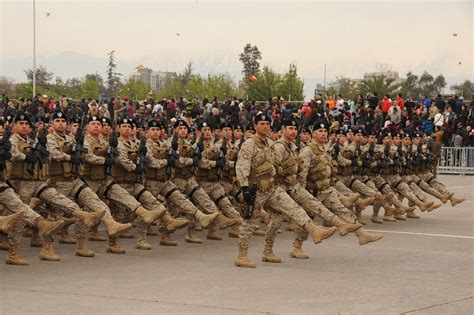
(409, 161)
(384, 157)
(140, 163)
(298, 144)
(335, 150)
(78, 148)
(112, 150)
(429, 155)
(355, 158)
(222, 156)
(248, 209)
(397, 159)
(198, 152)
(173, 154)
(39, 149)
(5, 147)
(368, 158)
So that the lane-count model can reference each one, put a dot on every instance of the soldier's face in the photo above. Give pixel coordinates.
(60, 125)
(94, 128)
(290, 132)
(154, 133)
(387, 140)
(320, 135)
(74, 128)
(22, 128)
(406, 141)
(237, 134)
(372, 139)
(342, 139)
(263, 128)
(357, 137)
(416, 140)
(182, 132)
(125, 130)
(396, 140)
(305, 137)
(106, 129)
(227, 132)
(206, 133)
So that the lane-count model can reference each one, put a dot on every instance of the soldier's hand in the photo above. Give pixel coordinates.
(196, 161)
(170, 161)
(139, 169)
(30, 158)
(75, 159)
(354, 163)
(248, 197)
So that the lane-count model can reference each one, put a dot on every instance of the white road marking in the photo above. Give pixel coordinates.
(425, 234)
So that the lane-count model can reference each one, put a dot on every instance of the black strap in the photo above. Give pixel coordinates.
(78, 192)
(431, 179)
(418, 182)
(41, 191)
(352, 182)
(107, 189)
(169, 193)
(315, 192)
(2, 189)
(140, 193)
(366, 180)
(193, 191)
(397, 184)
(219, 199)
(382, 186)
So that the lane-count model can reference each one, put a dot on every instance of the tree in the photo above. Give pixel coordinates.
(439, 84)
(113, 77)
(343, 86)
(43, 77)
(425, 83)
(409, 86)
(267, 85)
(187, 74)
(7, 86)
(172, 88)
(135, 89)
(292, 85)
(378, 84)
(90, 89)
(250, 58)
(465, 89)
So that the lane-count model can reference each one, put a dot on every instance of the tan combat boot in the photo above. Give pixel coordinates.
(455, 200)
(64, 237)
(388, 216)
(225, 222)
(318, 233)
(259, 232)
(35, 239)
(150, 231)
(113, 247)
(115, 228)
(363, 203)
(90, 218)
(94, 235)
(166, 239)
(13, 258)
(242, 259)
(173, 224)
(412, 215)
(206, 219)
(4, 245)
(191, 236)
(268, 255)
(349, 201)
(82, 250)
(149, 216)
(375, 217)
(424, 205)
(234, 232)
(9, 221)
(434, 206)
(343, 227)
(47, 253)
(358, 213)
(264, 216)
(366, 237)
(142, 243)
(212, 234)
(297, 250)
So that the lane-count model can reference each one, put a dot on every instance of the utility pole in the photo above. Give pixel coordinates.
(324, 82)
(34, 49)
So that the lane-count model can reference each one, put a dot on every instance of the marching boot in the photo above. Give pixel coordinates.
(349, 201)
(115, 228)
(4, 245)
(13, 258)
(388, 216)
(149, 216)
(82, 250)
(259, 232)
(318, 233)
(9, 221)
(89, 218)
(166, 239)
(47, 252)
(375, 217)
(141, 242)
(264, 216)
(234, 232)
(212, 233)
(409, 208)
(358, 213)
(297, 250)
(191, 236)
(455, 200)
(268, 255)
(424, 205)
(224, 222)
(113, 247)
(242, 259)
(343, 227)
(435, 205)
(173, 224)
(95, 236)
(363, 203)
(366, 237)
(412, 215)
(205, 219)
(48, 228)
(35, 240)
(150, 231)
(64, 237)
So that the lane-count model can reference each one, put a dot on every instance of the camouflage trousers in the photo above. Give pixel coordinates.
(217, 193)
(384, 187)
(439, 192)
(329, 198)
(10, 200)
(431, 180)
(415, 188)
(402, 188)
(341, 188)
(197, 195)
(356, 185)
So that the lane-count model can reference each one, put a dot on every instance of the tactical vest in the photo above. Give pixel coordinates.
(61, 171)
(210, 153)
(347, 153)
(159, 152)
(19, 168)
(287, 169)
(185, 150)
(120, 174)
(5, 171)
(262, 172)
(93, 171)
(229, 173)
(320, 171)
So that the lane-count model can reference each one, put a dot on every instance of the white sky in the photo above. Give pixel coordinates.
(350, 37)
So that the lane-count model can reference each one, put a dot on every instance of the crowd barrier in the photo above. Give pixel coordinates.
(456, 161)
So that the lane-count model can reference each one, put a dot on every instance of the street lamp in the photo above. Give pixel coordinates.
(34, 49)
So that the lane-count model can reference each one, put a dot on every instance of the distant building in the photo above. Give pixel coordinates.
(155, 79)
(320, 89)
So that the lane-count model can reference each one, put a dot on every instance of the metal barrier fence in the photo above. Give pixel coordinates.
(456, 161)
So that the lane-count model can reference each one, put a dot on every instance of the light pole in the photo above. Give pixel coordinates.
(34, 49)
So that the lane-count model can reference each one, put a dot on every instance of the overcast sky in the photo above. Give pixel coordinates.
(350, 37)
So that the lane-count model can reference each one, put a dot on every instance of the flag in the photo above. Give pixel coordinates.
(251, 78)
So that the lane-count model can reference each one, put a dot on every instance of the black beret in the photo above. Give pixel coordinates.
(250, 128)
(59, 115)
(417, 135)
(288, 122)
(125, 121)
(321, 125)
(22, 117)
(262, 117)
(76, 120)
(95, 118)
(106, 120)
(180, 122)
(203, 124)
(154, 124)
(226, 125)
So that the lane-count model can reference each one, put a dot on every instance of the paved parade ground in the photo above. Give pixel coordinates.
(420, 267)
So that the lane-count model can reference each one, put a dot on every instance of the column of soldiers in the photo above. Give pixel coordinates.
(122, 174)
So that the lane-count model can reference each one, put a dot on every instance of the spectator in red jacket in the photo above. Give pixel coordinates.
(386, 104)
(400, 102)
